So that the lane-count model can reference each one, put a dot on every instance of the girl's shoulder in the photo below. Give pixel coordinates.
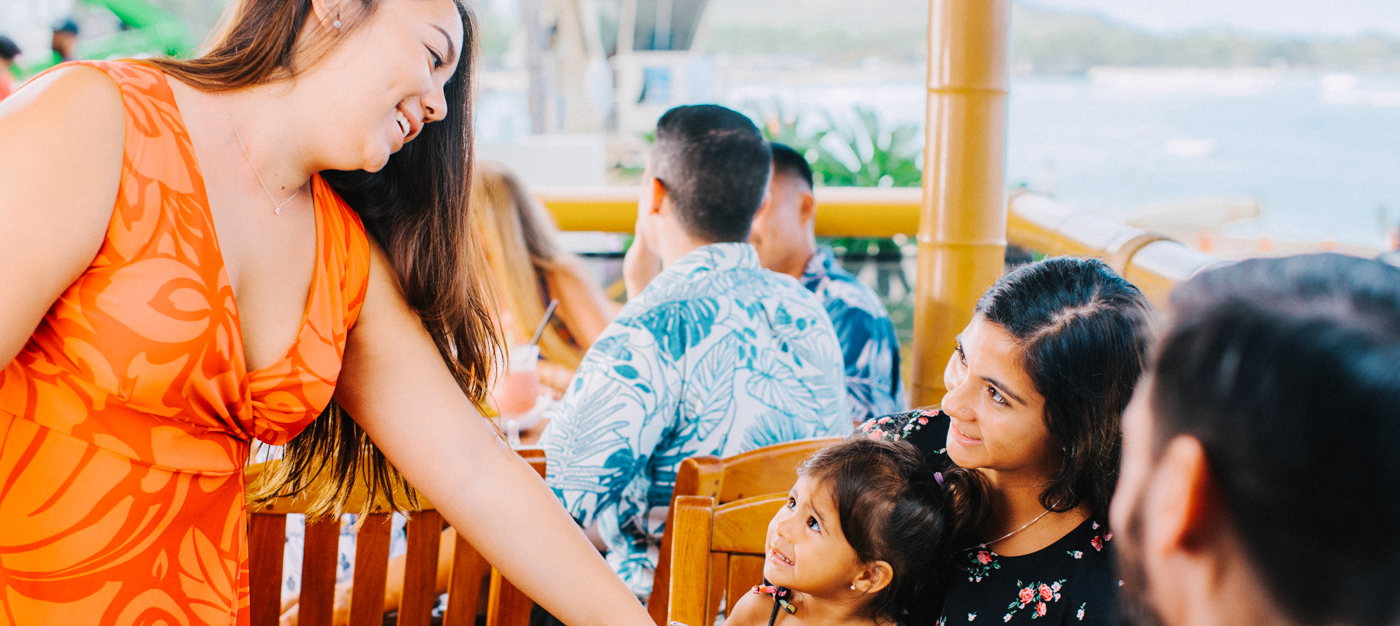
(753, 609)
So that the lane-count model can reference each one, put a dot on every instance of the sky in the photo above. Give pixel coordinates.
(1301, 17)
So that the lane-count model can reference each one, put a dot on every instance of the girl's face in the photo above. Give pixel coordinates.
(807, 550)
(997, 415)
(385, 82)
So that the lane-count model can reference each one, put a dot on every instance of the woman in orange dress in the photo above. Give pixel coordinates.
(197, 254)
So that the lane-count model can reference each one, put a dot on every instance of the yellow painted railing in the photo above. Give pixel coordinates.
(841, 211)
(1152, 262)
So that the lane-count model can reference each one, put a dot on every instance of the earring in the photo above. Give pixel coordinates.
(336, 23)
(853, 586)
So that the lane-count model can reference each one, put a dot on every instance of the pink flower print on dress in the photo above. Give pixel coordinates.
(1040, 609)
(1098, 545)
(984, 557)
(1045, 592)
(1027, 595)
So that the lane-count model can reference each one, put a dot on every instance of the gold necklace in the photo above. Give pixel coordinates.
(276, 206)
(1025, 526)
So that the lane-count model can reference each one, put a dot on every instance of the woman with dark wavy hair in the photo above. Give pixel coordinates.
(271, 241)
(1036, 387)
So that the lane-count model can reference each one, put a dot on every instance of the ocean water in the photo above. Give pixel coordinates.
(1320, 153)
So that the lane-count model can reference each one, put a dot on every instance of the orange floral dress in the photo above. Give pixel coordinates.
(126, 420)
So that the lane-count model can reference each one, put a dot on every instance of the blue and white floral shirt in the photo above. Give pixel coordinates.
(716, 356)
(868, 342)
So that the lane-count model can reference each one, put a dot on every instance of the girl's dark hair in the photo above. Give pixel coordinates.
(893, 509)
(416, 207)
(1085, 338)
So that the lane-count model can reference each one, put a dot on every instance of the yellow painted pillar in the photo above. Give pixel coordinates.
(962, 225)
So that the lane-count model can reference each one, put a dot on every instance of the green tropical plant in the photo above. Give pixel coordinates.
(864, 153)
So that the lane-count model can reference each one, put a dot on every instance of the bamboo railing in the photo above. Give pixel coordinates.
(1152, 262)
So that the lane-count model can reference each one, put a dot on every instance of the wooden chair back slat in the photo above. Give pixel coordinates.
(371, 571)
(318, 572)
(469, 568)
(719, 569)
(267, 535)
(703, 532)
(770, 469)
(745, 571)
(420, 569)
(510, 606)
(267, 539)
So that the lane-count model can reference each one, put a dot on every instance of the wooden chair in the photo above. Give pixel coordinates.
(770, 469)
(718, 552)
(507, 606)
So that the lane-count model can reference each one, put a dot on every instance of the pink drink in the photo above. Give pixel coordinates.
(521, 386)
(518, 392)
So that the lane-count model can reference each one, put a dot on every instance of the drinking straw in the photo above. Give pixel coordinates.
(548, 313)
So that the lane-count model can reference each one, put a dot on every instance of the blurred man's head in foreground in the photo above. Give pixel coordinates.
(1261, 466)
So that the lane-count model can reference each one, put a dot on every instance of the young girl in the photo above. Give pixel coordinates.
(864, 532)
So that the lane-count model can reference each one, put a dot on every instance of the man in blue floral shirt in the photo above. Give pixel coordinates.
(783, 232)
(712, 355)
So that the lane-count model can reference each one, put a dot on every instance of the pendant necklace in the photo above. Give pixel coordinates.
(1007, 535)
(276, 206)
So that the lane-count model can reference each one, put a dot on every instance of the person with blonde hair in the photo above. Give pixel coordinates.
(529, 267)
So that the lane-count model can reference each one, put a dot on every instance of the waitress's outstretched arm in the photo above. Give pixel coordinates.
(397, 387)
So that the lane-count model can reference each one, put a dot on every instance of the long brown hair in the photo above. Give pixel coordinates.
(522, 248)
(416, 207)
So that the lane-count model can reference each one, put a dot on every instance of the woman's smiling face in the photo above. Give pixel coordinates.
(386, 80)
(807, 550)
(996, 412)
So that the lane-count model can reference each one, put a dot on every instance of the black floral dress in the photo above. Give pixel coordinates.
(1072, 581)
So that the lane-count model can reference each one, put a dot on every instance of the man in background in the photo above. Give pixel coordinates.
(65, 41)
(784, 233)
(8, 52)
(1260, 476)
(711, 355)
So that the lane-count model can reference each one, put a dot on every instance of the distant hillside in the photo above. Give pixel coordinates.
(1043, 40)
(1054, 42)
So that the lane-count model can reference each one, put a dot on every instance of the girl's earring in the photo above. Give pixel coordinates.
(336, 23)
(853, 586)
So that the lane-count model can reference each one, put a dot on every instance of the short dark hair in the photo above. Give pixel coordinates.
(8, 49)
(892, 509)
(1287, 371)
(791, 163)
(714, 165)
(66, 25)
(1084, 332)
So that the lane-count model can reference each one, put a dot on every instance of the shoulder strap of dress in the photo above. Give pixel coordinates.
(134, 78)
(351, 242)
